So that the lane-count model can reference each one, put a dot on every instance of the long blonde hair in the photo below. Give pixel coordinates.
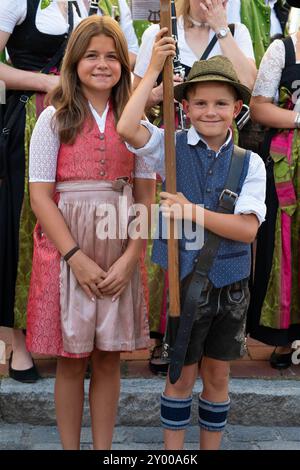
(183, 9)
(71, 105)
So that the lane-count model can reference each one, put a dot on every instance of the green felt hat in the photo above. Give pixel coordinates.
(215, 69)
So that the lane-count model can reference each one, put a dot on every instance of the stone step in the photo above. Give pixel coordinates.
(236, 437)
(253, 402)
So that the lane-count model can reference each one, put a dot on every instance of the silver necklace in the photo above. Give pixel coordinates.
(199, 24)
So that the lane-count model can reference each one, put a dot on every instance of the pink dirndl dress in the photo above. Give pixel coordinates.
(61, 319)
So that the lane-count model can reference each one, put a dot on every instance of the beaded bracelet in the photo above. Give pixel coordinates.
(71, 253)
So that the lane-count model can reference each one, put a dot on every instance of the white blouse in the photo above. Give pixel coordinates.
(270, 70)
(45, 144)
(187, 56)
(50, 20)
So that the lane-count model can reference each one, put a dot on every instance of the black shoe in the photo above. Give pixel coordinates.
(27, 376)
(280, 361)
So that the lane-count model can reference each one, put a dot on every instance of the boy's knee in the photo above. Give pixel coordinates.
(217, 384)
(213, 415)
(175, 412)
(215, 378)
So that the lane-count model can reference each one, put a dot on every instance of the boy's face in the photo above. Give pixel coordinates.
(211, 107)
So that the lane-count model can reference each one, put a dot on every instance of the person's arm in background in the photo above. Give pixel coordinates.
(143, 60)
(12, 12)
(263, 108)
(16, 79)
(232, 47)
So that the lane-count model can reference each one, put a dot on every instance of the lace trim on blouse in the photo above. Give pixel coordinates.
(270, 70)
(44, 147)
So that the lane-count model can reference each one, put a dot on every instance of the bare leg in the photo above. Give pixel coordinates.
(21, 359)
(174, 440)
(215, 377)
(104, 396)
(69, 399)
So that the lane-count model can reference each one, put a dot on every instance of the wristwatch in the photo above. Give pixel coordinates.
(222, 33)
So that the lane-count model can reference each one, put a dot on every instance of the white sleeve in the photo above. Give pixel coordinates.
(150, 158)
(145, 52)
(44, 147)
(12, 13)
(234, 11)
(252, 197)
(270, 70)
(127, 27)
(243, 40)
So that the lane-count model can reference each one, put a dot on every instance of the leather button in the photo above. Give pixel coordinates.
(102, 173)
(210, 172)
(101, 137)
(102, 161)
(208, 190)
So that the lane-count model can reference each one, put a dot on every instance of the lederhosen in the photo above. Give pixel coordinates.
(30, 50)
(266, 234)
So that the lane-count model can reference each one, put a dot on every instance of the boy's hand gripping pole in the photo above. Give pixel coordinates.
(170, 162)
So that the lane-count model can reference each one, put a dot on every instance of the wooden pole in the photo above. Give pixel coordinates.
(170, 162)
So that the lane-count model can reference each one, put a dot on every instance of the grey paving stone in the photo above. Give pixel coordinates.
(42, 434)
(229, 445)
(239, 433)
(150, 434)
(46, 446)
(86, 435)
(290, 434)
(136, 446)
(279, 445)
(10, 432)
(13, 446)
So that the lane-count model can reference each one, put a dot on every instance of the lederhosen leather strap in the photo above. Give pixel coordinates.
(227, 201)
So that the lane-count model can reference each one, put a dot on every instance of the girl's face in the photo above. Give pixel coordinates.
(99, 69)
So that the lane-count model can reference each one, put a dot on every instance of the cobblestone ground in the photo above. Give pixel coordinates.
(26, 437)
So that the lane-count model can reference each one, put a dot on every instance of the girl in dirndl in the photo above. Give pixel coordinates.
(86, 295)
